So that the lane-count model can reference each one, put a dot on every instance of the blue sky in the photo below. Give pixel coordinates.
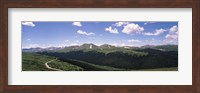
(60, 34)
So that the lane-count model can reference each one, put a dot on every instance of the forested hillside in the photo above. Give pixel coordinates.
(91, 57)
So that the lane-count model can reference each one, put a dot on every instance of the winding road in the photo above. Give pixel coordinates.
(47, 66)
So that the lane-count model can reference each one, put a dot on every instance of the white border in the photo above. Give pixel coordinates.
(181, 77)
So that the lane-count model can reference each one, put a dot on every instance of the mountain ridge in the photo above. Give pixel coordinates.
(103, 46)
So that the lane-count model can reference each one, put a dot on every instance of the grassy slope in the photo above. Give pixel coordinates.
(64, 66)
(93, 67)
(35, 62)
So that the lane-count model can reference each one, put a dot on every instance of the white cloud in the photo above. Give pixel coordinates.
(32, 46)
(28, 24)
(173, 29)
(128, 28)
(133, 40)
(85, 33)
(118, 24)
(172, 36)
(66, 40)
(28, 39)
(155, 33)
(112, 30)
(132, 28)
(77, 24)
(74, 44)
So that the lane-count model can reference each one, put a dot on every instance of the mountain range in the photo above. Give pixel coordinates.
(91, 46)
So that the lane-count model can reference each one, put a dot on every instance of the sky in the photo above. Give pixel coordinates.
(61, 34)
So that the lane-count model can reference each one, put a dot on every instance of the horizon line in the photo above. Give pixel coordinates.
(98, 45)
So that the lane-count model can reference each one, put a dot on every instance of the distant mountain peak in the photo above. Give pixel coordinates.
(88, 46)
